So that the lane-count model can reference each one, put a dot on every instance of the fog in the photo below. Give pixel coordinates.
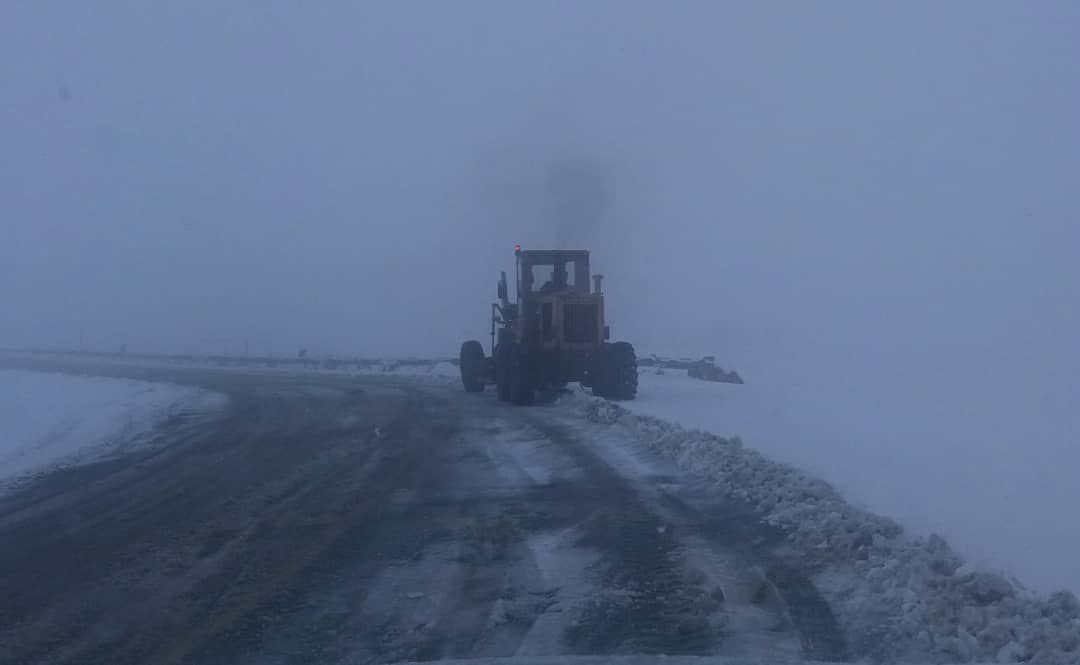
(871, 209)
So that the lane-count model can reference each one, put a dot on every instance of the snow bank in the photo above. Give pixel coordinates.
(899, 598)
(1001, 491)
(443, 373)
(53, 420)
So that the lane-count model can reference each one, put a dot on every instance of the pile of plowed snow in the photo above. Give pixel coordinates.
(1000, 486)
(898, 598)
(442, 372)
(55, 420)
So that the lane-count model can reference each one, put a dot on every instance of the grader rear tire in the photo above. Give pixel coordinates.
(472, 361)
(617, 377)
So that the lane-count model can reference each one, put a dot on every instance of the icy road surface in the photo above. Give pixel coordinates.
(349, 519)
(326, 520)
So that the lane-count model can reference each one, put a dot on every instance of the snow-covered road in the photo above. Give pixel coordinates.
(324, 503)
(336, 518)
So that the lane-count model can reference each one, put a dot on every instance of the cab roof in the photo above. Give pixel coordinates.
(553, 255)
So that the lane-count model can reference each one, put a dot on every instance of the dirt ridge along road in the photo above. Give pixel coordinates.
(327, 519)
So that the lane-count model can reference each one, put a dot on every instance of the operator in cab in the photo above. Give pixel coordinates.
(557, 281)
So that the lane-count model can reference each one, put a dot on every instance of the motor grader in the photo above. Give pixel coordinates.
(553, 333)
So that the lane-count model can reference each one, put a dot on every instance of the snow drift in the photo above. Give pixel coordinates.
(54, 420)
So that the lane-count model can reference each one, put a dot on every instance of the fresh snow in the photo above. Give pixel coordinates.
(441, 370)
(51, 420)
(1001, 505)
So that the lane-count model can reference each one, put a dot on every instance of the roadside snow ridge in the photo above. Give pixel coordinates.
(49, 421)
(898, 598)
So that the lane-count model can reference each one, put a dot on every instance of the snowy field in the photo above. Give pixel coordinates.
(999, 504)
(52, 420)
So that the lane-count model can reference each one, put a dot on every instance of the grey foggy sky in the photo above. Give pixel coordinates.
(893, 182)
